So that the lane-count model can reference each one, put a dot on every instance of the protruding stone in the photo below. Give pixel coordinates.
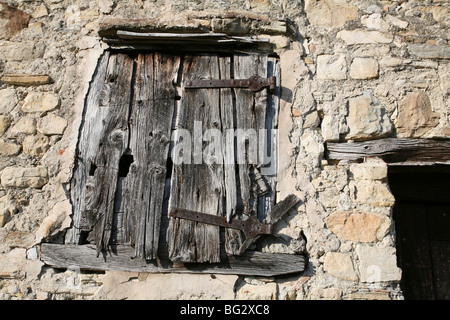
(9, 148)
(12, 21)
(356, 226)
(331, 67)
(367, 119)
(329, 13)
(18, 177)
(40, 102)
(51, 124)
(377, 264)
(330, 128)
(360, 36)
(58, 220)
(25, 125)
(26, 80)
(8, 100)
(340, 265)
(373, 193)
(36, 145)
(429, 51)
(364, 68)
(5, 210)
(5, 121)
(415, 116)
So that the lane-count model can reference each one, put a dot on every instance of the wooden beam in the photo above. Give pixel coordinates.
(121, 259)
(392, 150)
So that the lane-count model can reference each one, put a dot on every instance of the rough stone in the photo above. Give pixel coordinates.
(41, 11)
(364, 68)
(51, 124)
(9, 148)
(369, 171)
(5, 121)
(8, 100)
(36, 145)
(415, 116)
(367, 119)
(329, 13)
(340, 265)
(5, 211)
(22, 51)
(373, 193)
(40, 102)
(264, 291)
(118, 285)
(12, 21)
(375, 22)
(429, 51)
(25, 125)
(12, 264)
(356, 226)
(58, 220)
(18, 177)
(326, 294)
(360, 36)
(330, 128)
(331, 67)
(377, 264)
(396, 21)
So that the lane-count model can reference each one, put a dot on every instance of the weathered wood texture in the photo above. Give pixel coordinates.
(197, 182)
(392, 150)
(150, 133)
(90, 134)
(120, 258)
(125, 183)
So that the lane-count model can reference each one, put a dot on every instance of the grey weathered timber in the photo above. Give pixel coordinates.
(392, 150)
(281, 208)
(197, 185)
(150, 133)
(251, 263)
(91, 132)
(250, 118)
(101, 188)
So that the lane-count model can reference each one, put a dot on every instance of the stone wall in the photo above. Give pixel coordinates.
(351, 70)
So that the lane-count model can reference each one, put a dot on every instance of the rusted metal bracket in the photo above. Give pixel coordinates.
(251, 226)
(254, 83)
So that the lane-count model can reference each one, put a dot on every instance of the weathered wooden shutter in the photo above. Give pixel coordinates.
(220, 186)
(118, 186)
(119, 183)
(126, 179)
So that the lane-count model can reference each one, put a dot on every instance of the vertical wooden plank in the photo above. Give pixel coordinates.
(227, 114)
(101, 187)
(150, 133)
(197, 185)
(269, 169)
(89, 137)
(250, 117)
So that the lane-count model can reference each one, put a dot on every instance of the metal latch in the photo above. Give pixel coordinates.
(254, 83)
(251, 226)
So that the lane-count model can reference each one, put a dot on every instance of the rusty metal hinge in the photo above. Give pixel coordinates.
(254, 83)
(251, 226)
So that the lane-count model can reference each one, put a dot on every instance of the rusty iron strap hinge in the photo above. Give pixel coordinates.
(251, 226)
(254, 83)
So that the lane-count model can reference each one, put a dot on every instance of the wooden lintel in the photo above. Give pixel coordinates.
(120, 259)
(392, 150)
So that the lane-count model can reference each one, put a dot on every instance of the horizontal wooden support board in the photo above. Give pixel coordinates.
(392, 150)
(252, 263)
